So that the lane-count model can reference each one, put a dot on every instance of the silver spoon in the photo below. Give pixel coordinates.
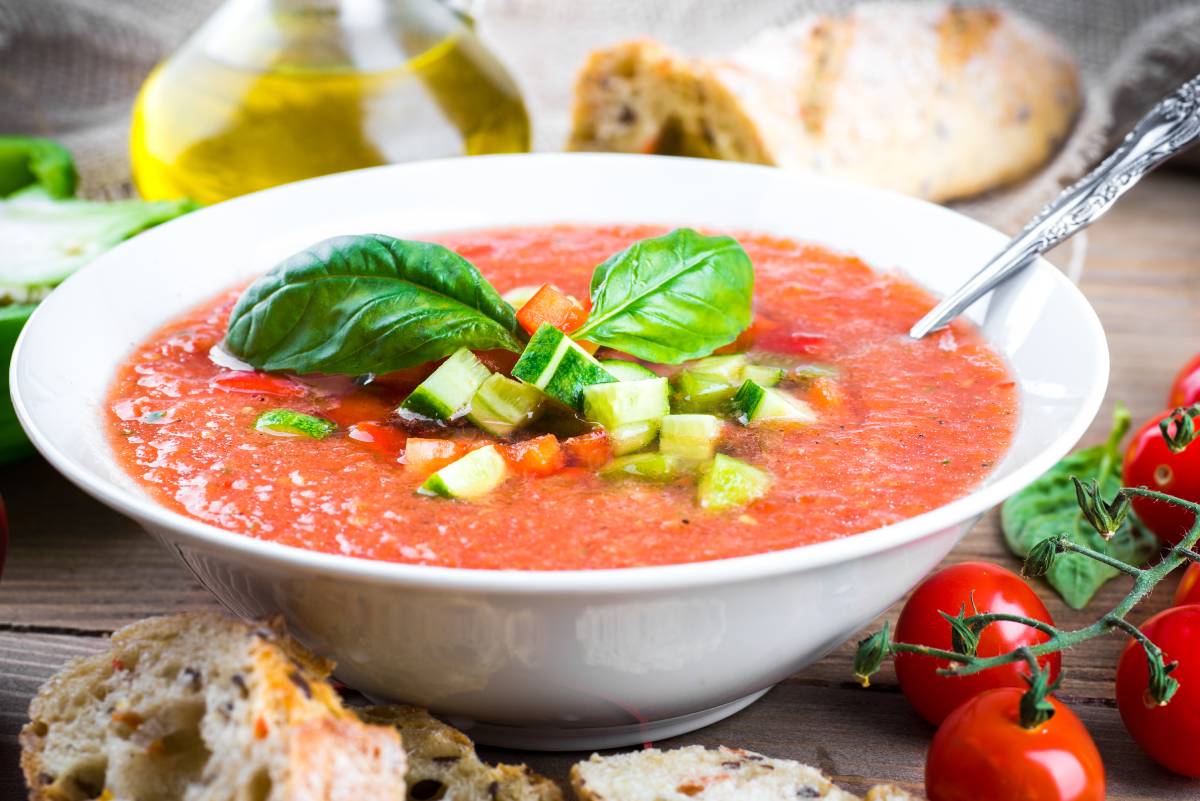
(1170, 127)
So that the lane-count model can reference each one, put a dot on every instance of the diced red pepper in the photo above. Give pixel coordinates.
(378, 437)
(539, 456)
(549, 305)
(425, 456)
(590, 450)
(825, 393)
(356, 408)
(249, 382)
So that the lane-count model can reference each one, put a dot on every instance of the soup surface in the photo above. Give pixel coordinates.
(907, 426)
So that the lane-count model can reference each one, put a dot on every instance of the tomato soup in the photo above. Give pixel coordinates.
(905, 427)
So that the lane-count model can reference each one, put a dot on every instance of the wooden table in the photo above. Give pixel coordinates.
(76, 570)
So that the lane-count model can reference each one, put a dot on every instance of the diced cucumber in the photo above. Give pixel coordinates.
(447, 392)
(501, 405)
(804, 373)
(754, 405)
(649, 467)
(725, 368)
(519, 296)
(632, 437)
(623, 402)
(557, 366)
(697, 393)
(472, 476)
(763, 375)
(692, 436)
(624, 370)
(286, 423)
(628, 410)
(728, 483)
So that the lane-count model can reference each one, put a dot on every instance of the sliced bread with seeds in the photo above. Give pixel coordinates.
(442, 762)
(696, 773)
(203, 707)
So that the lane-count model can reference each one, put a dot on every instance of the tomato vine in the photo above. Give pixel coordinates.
(1106, 517)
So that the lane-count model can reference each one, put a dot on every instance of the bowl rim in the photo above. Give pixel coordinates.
(171, 525)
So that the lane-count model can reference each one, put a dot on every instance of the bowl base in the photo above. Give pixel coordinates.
(601, 737)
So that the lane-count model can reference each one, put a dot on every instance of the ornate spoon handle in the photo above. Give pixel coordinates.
(1171, 126)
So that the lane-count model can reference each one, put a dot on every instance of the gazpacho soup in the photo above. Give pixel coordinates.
(561, 397)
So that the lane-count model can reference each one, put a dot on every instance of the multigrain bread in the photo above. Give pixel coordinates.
(202, 707)
(696, 773)
(934, 100)
(442, 762)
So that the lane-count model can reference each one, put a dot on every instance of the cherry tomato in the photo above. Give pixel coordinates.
(1149, 463)
(994, 589)
(982, 753)
(1188, 591)
(1186, 389)
(1167, 733)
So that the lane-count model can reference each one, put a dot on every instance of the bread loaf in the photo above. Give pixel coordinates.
(934, 100)
(203, 708)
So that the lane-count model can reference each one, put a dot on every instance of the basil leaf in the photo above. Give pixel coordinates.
(368, 304)
(1048, 507)
(671, 298)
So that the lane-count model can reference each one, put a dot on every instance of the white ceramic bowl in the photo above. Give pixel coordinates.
(556, 660)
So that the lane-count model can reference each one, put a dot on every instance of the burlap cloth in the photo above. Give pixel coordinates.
(70, 68)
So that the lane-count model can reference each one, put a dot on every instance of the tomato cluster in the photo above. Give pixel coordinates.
(981, 752)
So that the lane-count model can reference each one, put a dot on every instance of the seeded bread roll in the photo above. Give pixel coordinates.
(934, 100)
(442, 762)
(696, 773)
(203, 708)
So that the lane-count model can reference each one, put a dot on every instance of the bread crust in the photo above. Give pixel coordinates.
(203, 707)
(934, 100)
(443, 759)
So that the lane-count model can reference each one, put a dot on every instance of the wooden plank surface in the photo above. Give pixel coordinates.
(77, 570)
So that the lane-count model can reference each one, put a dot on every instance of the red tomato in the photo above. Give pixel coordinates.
(994, 589)
(1186, 389)
(249, 382)
(1188, 591)
(982, 753)
(379, 437)
(1149, 463)
(1167, 733)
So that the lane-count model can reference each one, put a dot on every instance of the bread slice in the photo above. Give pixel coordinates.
(202, 707)
(696, 773)
(442, 763)
(931, 99)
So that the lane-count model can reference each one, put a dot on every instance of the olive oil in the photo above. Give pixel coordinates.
(272, 91)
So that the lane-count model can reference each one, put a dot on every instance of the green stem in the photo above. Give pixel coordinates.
(1186, 554)
(1111, 561)
(925, 650)
(1144, 581)
(1142, 492)
(982, 621)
